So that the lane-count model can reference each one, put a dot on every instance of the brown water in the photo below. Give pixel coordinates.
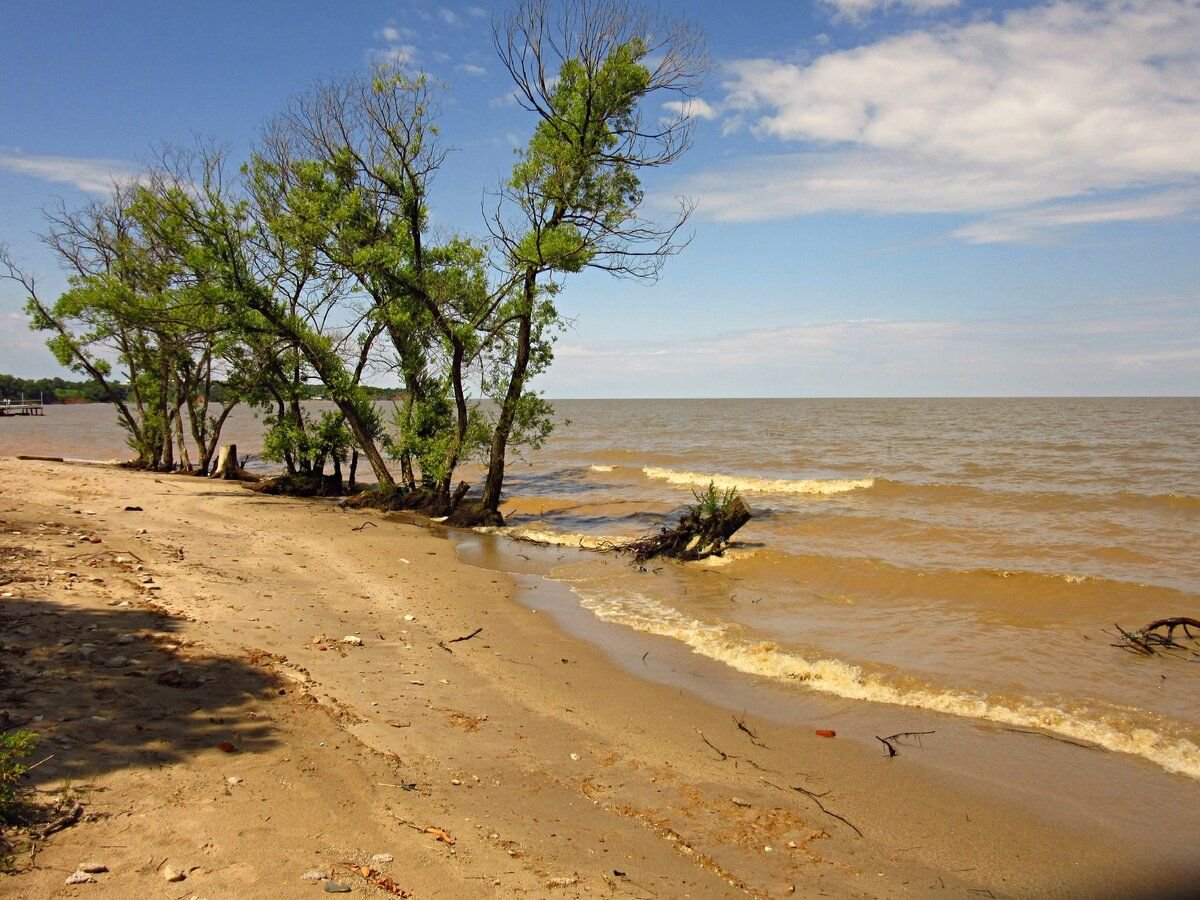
(964, 556)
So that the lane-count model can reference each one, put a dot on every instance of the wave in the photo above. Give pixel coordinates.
(1113, 731)
(751, 484)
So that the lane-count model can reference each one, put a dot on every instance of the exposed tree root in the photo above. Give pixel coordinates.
(1159, 635)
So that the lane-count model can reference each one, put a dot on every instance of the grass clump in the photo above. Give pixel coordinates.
(15, 747)
(711, 501)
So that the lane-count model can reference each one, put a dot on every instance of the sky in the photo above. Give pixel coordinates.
(893, 197)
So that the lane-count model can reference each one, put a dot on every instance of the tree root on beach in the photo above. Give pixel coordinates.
(1159, 636)
(697, 536)
(892, 740)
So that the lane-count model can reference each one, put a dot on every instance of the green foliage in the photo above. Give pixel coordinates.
(15, 747)
(711, 502)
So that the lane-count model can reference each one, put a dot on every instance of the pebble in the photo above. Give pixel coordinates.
(233, 779)
(410, 618)
(353, 640)
(313, 875)
(92, 868)
(336, 887)
(126, 639)
(382, 858)
(171, 874)
(80, 877)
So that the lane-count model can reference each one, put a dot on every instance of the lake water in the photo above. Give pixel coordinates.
(959, 555)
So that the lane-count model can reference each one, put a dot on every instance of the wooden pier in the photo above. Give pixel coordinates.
(22, 408)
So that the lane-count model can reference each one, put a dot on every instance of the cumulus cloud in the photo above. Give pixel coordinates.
(95, 176)
(694, 108)
(471, 69)
(1068, 100)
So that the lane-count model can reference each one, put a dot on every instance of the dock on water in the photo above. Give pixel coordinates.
(22, 408)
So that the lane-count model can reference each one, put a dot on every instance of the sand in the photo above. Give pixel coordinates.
(221, 727)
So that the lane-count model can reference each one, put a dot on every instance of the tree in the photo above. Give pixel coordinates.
(589, 71)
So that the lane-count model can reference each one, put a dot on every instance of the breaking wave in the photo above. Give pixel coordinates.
(1112, 731)
(748, 484)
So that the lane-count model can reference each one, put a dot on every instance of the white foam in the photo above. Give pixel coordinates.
(565, 539)
(750, 484)
(601, 468)
(1113, 731)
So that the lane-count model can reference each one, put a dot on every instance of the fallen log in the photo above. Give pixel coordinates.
(704, 531)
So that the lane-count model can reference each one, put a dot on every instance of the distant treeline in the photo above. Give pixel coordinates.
(59, 390)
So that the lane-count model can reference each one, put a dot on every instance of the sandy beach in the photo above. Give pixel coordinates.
(246, 690)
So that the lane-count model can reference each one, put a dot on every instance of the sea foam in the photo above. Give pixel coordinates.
(749, 484)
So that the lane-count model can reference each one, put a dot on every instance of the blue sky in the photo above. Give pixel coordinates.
(904, 198)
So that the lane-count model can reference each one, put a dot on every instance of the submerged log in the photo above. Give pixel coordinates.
(695, 537)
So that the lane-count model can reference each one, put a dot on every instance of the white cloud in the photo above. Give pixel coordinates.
(477, 11)
(449, 16)
(1030, 224)
(1068, 100)
(856, 10)
(1117, 347)
(95, 176)
(395, 55)
(694, 108)
(471, 69)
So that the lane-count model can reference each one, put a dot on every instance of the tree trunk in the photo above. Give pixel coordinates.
(494, 483)
(227, 463)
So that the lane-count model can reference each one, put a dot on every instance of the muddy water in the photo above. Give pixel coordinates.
(962, 556)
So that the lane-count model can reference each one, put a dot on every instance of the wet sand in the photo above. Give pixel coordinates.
(563, 757)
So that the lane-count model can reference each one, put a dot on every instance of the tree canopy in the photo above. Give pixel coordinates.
(315, 262)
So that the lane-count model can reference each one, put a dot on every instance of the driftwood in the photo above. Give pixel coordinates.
(1159, 635)
(697, 536)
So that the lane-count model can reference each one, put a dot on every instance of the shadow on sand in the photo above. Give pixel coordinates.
(110, 689)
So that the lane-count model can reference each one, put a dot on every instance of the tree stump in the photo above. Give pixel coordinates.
(695, 537)
(227, 464)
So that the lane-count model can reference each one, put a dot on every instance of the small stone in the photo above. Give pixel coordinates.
(80, 877)
(410, 618)
(382, 858)
(117, 662)
(353, 640)
(92, 868)
(172, 874)
(313, 875)
(232, 780)
(126, 639)
(336, 887)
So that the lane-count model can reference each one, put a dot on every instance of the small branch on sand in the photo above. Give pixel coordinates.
(63, 821)
(465, 637)
(724, 756)
(816, 798)
(1159, 635)
(364, 525)
(892, 740)
(742, 726)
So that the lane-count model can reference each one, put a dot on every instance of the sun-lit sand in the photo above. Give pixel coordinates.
(463, 734)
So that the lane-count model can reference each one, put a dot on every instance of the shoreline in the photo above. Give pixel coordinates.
(589, 762)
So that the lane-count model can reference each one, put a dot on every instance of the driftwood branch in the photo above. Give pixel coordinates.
(465, 637)
(892, 740)
(816, 798)
(696, 536)
(1159, 635)
(742, 726)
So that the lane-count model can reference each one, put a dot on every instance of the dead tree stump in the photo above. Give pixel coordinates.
(227, 464)
(695, 537)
